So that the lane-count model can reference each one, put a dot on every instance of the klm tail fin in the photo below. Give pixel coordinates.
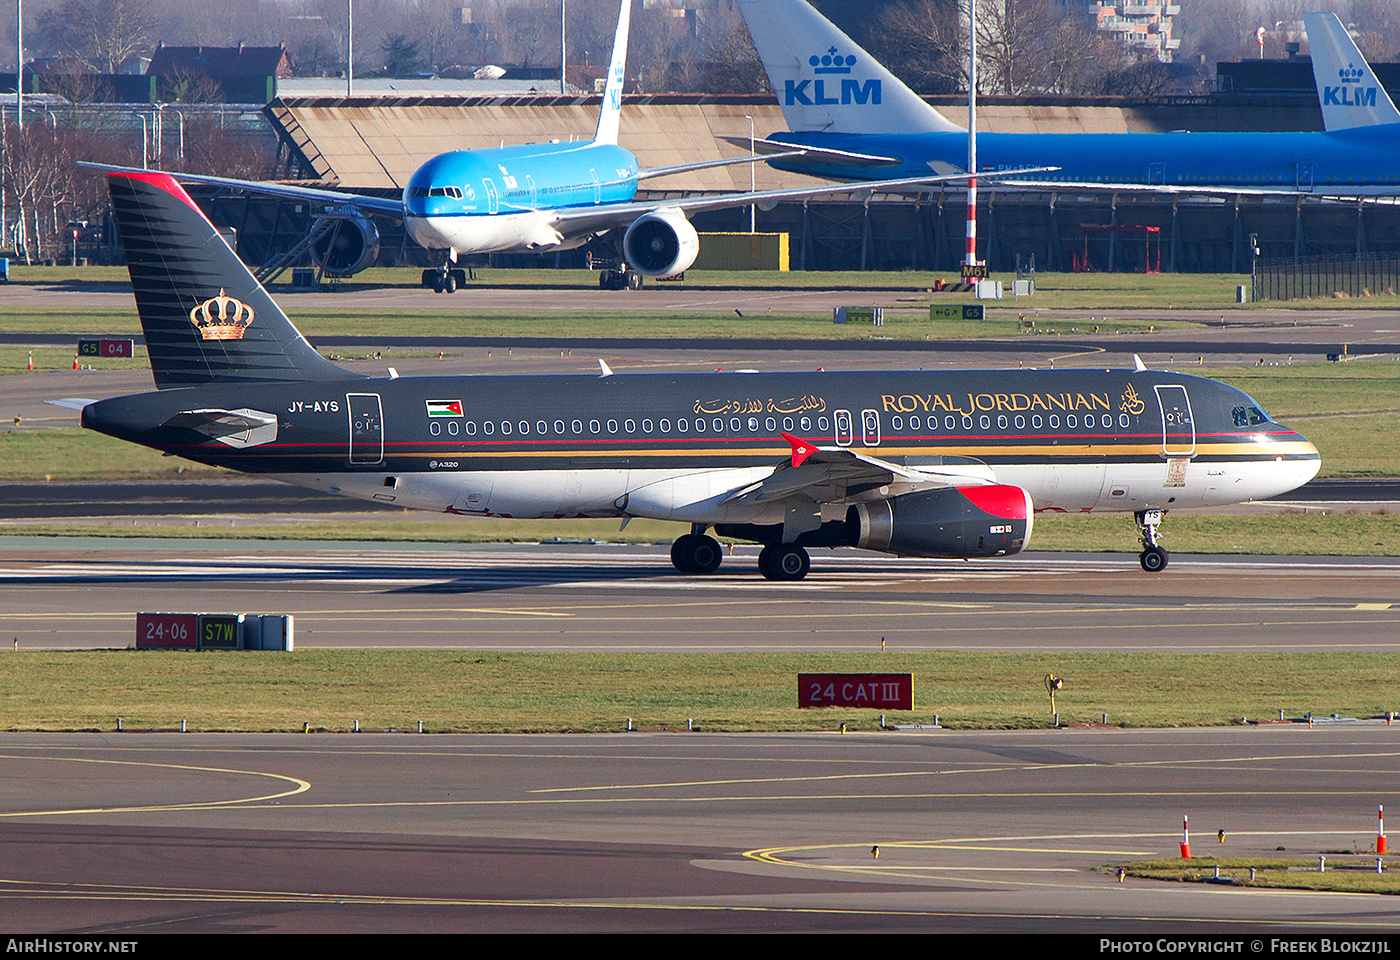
(825, 82)
(205, 318)
(1351, 95)
(611, 111)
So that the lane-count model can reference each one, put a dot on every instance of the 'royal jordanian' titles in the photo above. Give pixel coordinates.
(855, 119)
(932, 464)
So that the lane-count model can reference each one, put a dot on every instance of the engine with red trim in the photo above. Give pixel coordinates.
(974, 521)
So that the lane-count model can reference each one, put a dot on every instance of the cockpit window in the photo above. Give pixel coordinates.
(1249, 416)
(454, 192)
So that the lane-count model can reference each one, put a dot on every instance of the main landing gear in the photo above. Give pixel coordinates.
(619, 279)
(1153, 558)
(696, 553)
(445, 280)
(783, 561)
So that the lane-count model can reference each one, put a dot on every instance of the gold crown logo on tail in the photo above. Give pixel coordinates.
(222, 318)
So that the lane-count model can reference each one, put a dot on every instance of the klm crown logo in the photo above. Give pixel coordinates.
(832, 62)
(845, 92)
(221, 318)
(1351, 73)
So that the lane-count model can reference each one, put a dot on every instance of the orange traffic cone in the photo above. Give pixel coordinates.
(75, 361)
(31, 360)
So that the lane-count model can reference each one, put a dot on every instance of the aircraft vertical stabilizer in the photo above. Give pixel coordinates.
(825, 82)
(206, 319)
(1347, 87)
(611, 111)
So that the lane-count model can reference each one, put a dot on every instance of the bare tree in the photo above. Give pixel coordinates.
(103, 34)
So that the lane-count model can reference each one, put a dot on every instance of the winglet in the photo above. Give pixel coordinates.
(801, 449)
(611, 110)
(1138, 365)
(606, 370)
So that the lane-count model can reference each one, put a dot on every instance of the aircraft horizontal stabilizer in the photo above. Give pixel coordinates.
(236, 428)
(70, 403)
(648, 173)
(775, 149)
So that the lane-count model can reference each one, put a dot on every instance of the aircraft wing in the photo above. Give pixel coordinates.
(575, 221)
(380, 205)
(812, 467)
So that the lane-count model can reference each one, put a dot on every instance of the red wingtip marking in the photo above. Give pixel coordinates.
(157, 179)
(801, 449)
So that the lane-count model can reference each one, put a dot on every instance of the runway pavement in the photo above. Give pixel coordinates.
(977, 832)
(71, 594)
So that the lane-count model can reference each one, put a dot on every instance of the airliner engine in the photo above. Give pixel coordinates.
(661, 244)
(350, 245)
(974, 521)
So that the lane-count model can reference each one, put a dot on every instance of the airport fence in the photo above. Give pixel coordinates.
(1286, 278)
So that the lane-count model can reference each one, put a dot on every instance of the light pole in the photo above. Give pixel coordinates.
(563, 46)
(19, 64)
(971, 258)
(753, 207)
(145, 136)
(349, 46)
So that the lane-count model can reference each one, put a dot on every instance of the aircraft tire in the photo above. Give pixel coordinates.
(634, 280)
(789, 562)
(1153, 559)
(604, 279)
(705, 554)
(683, 553)
(449, 282)
(765, 557)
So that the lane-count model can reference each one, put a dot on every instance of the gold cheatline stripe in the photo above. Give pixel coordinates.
(1260, 450)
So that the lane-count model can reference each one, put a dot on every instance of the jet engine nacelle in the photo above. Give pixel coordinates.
(661, 244)
(347, 247)
(973, 521)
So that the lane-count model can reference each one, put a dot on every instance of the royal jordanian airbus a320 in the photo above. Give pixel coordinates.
(910, 463)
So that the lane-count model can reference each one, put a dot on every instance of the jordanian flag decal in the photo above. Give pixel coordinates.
(444, 408)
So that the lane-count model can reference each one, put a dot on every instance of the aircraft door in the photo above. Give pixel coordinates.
(870, 427)
(1305, 176)
(534, 194)
(597, 187)
(1178, 427)
(1157, 173)
(493, 201)
(845, 432)
(366, 428)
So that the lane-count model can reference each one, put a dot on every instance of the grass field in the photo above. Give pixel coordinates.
(1347, 872)
(555, 692)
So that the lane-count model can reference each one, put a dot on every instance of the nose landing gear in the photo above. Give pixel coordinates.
(1153, 558)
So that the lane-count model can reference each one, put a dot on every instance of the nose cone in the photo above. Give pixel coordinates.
(1295, 462)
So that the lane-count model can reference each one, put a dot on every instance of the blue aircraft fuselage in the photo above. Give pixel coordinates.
(478, 200)
(1364, 159)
